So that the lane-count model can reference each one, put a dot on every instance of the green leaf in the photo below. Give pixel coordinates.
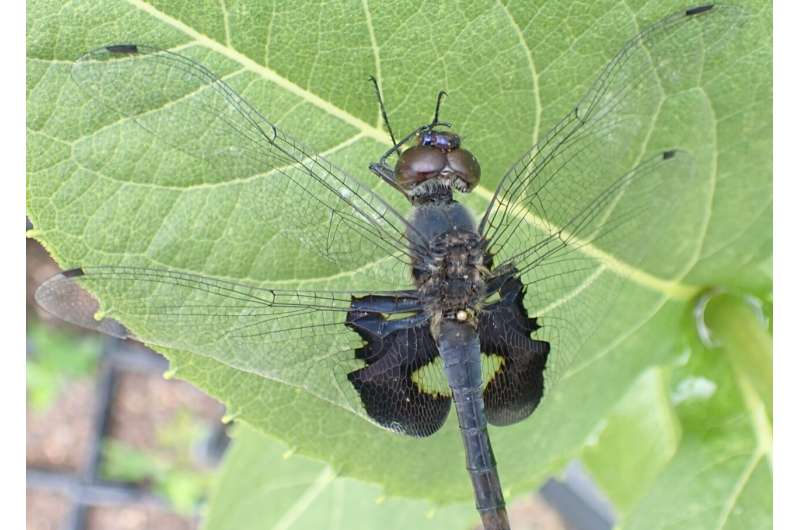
(719, 486)
(721, 475)
(264, 485)
(639, 438)
(721, 471)
(511, 71)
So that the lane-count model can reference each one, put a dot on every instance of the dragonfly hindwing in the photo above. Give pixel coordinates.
(516, 382)
(387, 388)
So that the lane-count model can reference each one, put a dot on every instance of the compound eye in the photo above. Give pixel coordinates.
(418, 164)
(466, 168)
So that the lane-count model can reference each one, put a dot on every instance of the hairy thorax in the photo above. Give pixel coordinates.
(448, 269)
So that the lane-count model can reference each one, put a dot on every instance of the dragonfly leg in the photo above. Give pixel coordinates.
(399, 302)
(387, 174)
(382, 169)
(369, 313)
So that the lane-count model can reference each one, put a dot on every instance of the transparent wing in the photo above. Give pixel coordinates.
(574, 289)
(579, 216)
(296, 337)
(193, 112)
(574, 285)
(548, 192)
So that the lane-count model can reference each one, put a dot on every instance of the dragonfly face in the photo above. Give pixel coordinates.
(507, 301)
(436, 161)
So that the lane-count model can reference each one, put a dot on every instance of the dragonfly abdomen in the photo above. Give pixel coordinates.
(459, 346)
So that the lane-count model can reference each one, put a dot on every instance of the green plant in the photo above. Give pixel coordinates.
(511, 71)
(168, 466)
(263, 484)
(57, 357)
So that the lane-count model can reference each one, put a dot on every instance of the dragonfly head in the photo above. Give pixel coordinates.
(437, 158)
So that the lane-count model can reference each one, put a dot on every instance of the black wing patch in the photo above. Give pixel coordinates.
(515, 388)
(394, 351)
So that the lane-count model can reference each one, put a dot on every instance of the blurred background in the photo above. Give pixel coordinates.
(111, 443)
(114, 444)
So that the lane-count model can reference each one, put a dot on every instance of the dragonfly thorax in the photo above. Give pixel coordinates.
(448, 272)
(435, 166)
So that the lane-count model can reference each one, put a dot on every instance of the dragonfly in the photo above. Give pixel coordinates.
(480, 312)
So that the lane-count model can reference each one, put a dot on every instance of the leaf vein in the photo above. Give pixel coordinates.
(263, 71)
(537, 100)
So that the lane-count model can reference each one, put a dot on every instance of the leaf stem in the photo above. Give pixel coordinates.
(736, 325)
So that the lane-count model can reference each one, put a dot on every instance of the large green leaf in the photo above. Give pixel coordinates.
(511, 72)
(644, 428)
(720, 469)
(721, 475)
(263, 485)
